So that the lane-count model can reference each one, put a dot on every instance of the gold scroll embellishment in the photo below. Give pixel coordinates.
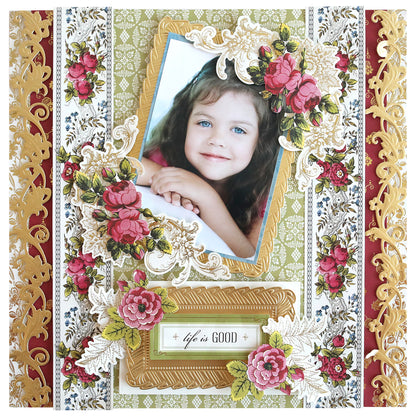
(389, 327)
(28, 194)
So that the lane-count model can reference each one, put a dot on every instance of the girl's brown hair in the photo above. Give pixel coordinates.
(247, 190)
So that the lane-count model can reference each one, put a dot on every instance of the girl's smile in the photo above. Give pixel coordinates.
(221, 136)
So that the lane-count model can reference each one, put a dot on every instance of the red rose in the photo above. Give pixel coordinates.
(69, 366)
(343, 62)
(76, 267)
(280, 74)
(85, 342)
(324, 363)
(336, 369)
(76, 72)
(141, 308)
(127, 231)
(338, 341)
(121, 195)
(84, 377)
(338, 174)
(82, 283)
(84, 88)
(69, 171)
(87, 258)
(267, 367)
(89, 61)
(87, 144)
(340, 255)
(326, 168)
(334, 281)
(306, 96)
(327, 265)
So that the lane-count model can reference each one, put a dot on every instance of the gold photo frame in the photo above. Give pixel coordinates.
(144, 373)
(261, 262)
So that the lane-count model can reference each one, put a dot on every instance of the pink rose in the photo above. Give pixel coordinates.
(267, 367)
(340, 255)
(76, 267)
(121, 195)
(334, 281)
(298, 374)
(69, 171)
(76, 72)
(84, 88)
(127, 231)
(280, 74)
(82, 282)
(343, 62)
(87, 258)
(326, 168)
(338, 174)
(327, 265)
(89, 61)
(306, 96)
(336, 369)
(141, 308)
(338, 341)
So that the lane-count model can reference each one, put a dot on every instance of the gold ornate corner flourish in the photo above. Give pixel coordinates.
(146, 373)
(29, 267)
(390, 326)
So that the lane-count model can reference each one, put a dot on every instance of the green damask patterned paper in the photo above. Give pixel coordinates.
(133, 40)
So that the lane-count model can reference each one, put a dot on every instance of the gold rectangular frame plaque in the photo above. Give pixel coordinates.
(145, 373)
(181, 27)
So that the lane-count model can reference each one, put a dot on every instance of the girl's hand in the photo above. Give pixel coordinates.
(175, 182)
(176, 199)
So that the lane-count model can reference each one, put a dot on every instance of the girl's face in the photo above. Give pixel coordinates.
(222, 136)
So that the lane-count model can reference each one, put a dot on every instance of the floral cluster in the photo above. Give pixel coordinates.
(81, 270)
(267, 368)
(71, 370)
(124, 221)
(334, 367)
(336, 172)
(82, 74)
(333, 261)
(292, 93)
(140, 310)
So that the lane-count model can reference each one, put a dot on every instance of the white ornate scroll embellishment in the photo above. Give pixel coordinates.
(185, 254)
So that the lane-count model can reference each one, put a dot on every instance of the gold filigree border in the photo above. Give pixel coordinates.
(29, 267)
(389, 327)
(146, 374)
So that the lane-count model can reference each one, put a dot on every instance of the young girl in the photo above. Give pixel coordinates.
(215, 153)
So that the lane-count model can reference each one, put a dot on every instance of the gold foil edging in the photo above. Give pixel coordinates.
(28, 270)
(390, 326)
(166, 26)
(161, 374)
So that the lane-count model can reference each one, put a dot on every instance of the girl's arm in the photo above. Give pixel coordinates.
(150, 168)
(212, 208)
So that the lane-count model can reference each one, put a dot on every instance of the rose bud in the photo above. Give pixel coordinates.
(266, 53)
(99, 215)
(108, 173)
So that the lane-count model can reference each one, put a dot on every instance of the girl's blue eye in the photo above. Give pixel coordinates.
(204, 123)
(238, 130)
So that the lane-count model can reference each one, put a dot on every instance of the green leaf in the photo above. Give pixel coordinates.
(240, 388)
(82, 181)
(331, 107)
(279, 45)
(284, 31)
(125, 166)
(133, 339)
(292, 46)
(169, 306)
(67, 384)
(89, 197)
(276, 340)
(296, 137)
(150, 244)
(157, 233)
(67, 188)
(62, 351)
(162, 292)
(63, 156)
(258, 394)
(97, 185)
(114, 331)
(165, 246)
(302, 123)
(112, 312)
(287, 349)
(287, 123)
(237, 369)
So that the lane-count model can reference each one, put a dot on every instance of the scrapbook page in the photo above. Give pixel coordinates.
(207, 208)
